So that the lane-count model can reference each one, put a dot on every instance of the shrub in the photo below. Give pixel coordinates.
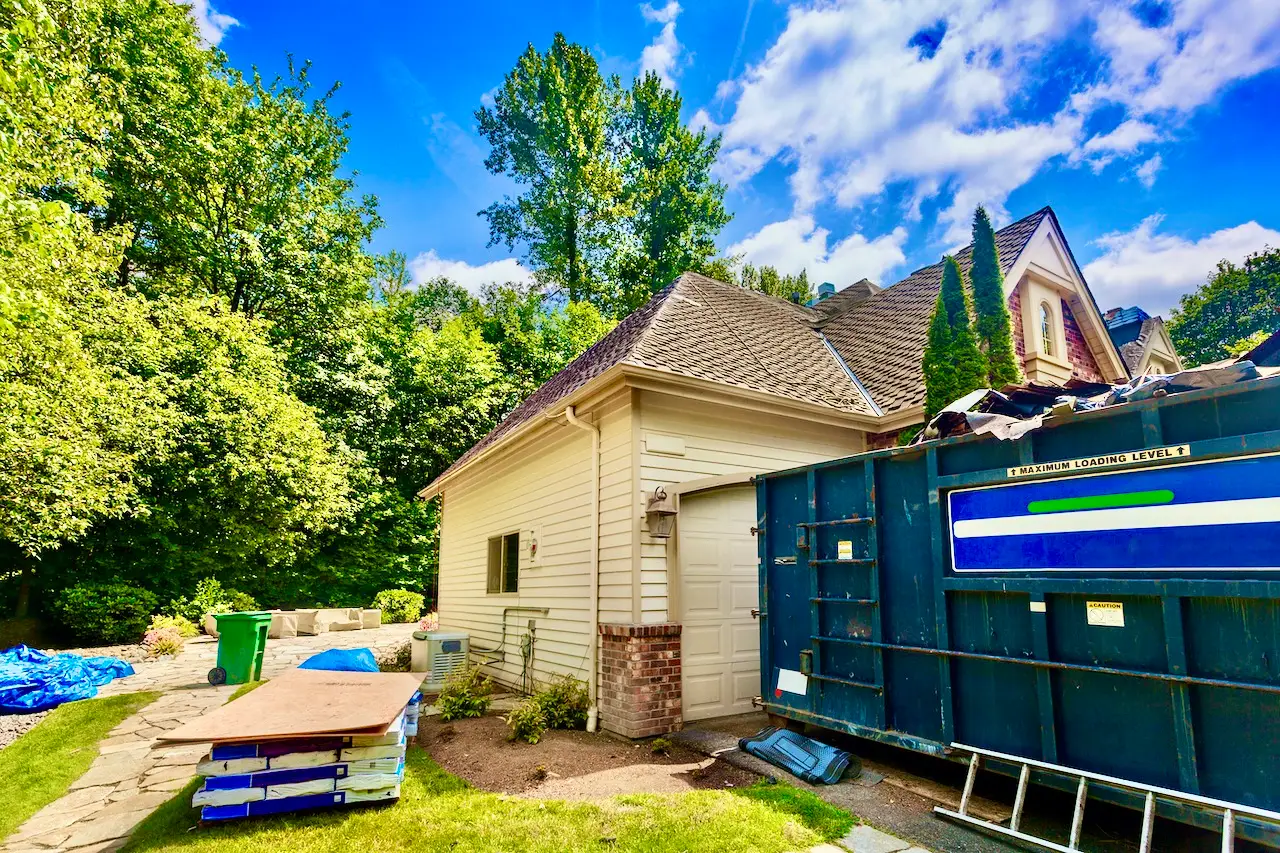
(397, 659)
(238, 601)
(660, 746)
(163, 641)
(104, 613)
(564, 702)
(464, 694)
(430, 622)
(527, 721)
(181, 624)
(399, 605)
(210, 597)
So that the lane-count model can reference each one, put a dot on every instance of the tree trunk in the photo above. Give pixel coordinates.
(575, 274)
(23, 607)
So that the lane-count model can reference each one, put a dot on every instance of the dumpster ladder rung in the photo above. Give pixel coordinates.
(1229, 811)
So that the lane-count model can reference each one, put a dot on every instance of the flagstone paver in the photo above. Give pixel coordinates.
(134, 773)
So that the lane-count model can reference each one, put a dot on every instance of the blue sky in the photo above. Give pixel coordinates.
(858, 136)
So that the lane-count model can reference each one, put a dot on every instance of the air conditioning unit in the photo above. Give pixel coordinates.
(439, 654)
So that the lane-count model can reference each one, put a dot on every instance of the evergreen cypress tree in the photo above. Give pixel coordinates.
(953, 364)
(993, 326)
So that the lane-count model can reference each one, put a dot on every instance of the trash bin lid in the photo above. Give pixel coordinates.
(243, 616)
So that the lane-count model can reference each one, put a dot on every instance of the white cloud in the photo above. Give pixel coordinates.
(663, 56)
(1146, 171)
(799, 243)
(429, 265)
(1147, 268)
(857, 97)
(211, 23)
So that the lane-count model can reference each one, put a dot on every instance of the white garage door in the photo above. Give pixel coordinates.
(720, 641)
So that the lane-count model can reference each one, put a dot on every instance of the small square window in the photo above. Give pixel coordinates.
(504, 563)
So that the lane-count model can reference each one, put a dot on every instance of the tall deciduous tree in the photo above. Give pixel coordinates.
(1236, 303)
(767, 279)
(953, 364)
(676, 207)
(993, 326)
(549, 131)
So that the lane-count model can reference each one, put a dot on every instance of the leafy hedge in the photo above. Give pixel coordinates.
(104, 613)
(399, 605)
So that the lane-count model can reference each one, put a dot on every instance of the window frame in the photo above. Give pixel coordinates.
(1048, 340)
(503, 564)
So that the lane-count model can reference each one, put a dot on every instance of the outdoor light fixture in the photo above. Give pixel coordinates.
(660, 511)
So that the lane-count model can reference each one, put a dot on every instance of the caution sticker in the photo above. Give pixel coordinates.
(1109, 614)
(844, 549)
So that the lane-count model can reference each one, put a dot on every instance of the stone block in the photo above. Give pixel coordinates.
(371, 618)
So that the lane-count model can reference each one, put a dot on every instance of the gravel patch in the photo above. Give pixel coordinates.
(133, 653)
(13, 726)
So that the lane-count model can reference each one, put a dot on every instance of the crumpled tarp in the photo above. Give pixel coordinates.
(31, 680)
(1019, 409)
(342, 660)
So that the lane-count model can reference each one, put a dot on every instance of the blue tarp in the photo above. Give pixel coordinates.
(342, 660)
(31, 680)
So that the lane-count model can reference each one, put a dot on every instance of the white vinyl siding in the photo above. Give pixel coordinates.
(718, 440)
(541, 484)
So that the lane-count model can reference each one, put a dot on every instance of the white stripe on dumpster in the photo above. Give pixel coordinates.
(1245, 511)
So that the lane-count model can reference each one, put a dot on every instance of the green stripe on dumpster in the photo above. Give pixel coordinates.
(1155, 497)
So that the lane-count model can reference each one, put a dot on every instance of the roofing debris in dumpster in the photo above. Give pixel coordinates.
(309, 739)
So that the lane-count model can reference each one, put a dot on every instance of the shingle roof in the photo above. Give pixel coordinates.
(1132, 339)
(706, 329)
(882, 337)
(702, 328)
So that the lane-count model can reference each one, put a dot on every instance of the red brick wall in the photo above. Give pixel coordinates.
(1083, 365)
(881, 440)
(640, 679)
(1019, 339)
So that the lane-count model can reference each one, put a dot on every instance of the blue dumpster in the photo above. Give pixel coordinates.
(1102, 593)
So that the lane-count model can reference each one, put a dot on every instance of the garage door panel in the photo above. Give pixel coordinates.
(718, 590)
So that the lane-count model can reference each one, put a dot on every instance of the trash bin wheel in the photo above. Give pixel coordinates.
(217, 676)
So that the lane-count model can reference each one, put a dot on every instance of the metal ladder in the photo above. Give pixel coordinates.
(1229, 811)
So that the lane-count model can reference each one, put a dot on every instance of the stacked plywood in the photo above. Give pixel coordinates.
(311, 739)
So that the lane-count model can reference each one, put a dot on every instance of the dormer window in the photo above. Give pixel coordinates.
(1046, 329)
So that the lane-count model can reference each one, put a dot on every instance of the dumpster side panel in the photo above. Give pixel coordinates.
(1112, 620)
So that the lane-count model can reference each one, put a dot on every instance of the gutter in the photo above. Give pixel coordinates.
(593, 712)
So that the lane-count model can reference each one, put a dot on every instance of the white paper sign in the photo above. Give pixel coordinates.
(844, 549)
(792, 681)
(1106, 613)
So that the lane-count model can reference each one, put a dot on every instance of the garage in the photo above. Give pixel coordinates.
(717, 585)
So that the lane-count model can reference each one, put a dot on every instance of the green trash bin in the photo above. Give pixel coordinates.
(242, 641)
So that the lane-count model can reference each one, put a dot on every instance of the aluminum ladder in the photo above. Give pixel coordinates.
(1229, 811)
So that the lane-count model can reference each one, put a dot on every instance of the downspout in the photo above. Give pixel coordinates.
(593, 712)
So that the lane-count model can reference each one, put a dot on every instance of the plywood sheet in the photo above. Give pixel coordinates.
(305, 703)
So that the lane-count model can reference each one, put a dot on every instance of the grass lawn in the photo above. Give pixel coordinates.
(38, 767)
(439, 812)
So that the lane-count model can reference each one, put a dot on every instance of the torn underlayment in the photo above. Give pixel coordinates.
(1019, 409)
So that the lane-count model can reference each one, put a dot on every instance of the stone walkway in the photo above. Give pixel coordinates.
(133, 774)
(128, 780)
(191, 667)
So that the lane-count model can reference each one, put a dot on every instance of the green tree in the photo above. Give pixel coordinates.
(549, 131)
(953, 365)
(1237, 302)
(767, 279)
(677, 209)
(993, 326)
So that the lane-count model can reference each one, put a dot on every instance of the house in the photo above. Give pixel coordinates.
(605, 527)
(1265, 354)
(1142, 340)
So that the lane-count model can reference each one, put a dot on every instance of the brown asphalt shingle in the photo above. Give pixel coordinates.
(706, 329)
(882, 337)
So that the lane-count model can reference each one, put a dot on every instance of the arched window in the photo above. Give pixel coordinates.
(1046, 328)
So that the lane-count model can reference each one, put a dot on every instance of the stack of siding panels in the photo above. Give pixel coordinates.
(273, 776)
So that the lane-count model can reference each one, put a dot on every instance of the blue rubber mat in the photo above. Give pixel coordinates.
(814, 762)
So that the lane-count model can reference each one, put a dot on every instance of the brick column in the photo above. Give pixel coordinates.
(640, 679)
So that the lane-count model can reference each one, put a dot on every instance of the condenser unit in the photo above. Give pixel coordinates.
(446, 653)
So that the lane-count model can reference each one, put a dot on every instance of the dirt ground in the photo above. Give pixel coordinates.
(568, 764)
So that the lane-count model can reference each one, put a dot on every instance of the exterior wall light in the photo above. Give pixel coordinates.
(660, 512)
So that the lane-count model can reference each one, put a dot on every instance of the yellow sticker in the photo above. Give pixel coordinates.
(1109, 614)
(845, 549)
